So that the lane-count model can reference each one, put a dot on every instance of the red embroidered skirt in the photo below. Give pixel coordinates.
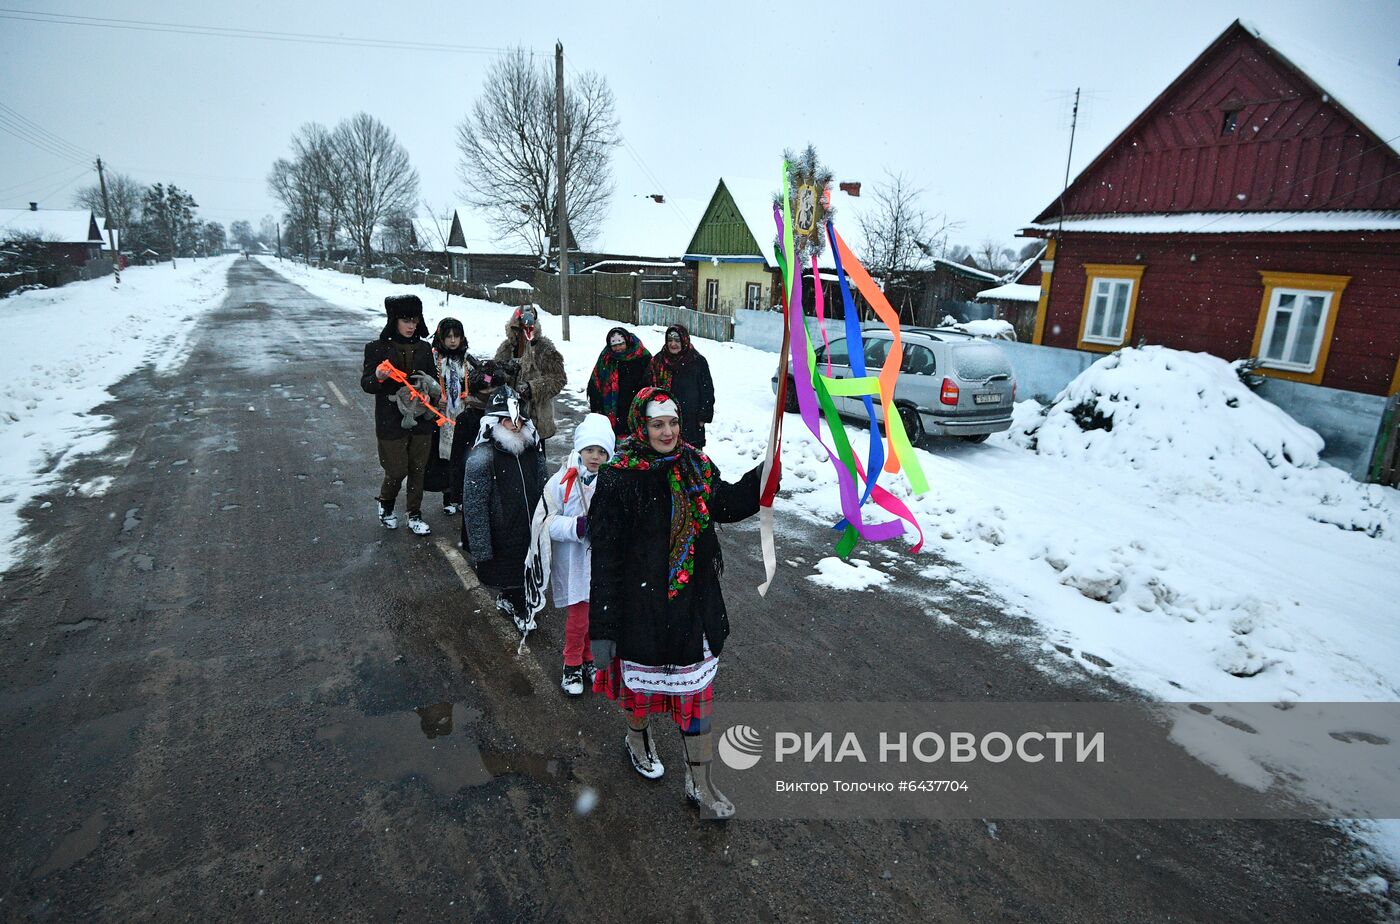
(683, 707)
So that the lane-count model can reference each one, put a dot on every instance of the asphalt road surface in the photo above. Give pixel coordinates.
(231, 695)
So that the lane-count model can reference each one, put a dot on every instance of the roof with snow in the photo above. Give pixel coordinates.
(1228, 222)
(1012, 292)
(1369, 93)
(61, 226)
(1026, 264)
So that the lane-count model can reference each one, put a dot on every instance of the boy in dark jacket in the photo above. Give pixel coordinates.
(403, 440)
(501, 488)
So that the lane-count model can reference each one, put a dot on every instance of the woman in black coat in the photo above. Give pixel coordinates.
(618, 375)
(657, 619)
(681, 370)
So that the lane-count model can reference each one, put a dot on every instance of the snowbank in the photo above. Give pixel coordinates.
(86, 337)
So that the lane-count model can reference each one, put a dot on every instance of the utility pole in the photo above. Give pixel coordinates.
(561, 216)
(279, 242)
(111, 235)
(1073, 123)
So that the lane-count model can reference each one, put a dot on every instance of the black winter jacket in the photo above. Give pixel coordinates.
(694, 392)
(629, 525)
(631, 377)
(499, 495)
(387, 419)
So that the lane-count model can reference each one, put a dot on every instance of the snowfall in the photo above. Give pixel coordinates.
(1188, 544)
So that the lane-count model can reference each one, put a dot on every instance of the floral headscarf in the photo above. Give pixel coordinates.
(605, 371)
(665, 364)
(690, 477)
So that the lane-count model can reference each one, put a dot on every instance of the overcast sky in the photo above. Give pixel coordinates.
(970, 100)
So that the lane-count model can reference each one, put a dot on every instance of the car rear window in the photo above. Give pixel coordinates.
(980, 361)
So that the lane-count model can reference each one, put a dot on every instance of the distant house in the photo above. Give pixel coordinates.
(1017, 298)
(1251, 210)
(732, 251)
(70, 236)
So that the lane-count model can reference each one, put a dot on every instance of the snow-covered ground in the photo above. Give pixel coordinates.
(1198, 551)
(65, 348)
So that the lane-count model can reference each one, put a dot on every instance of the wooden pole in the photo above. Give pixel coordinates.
(561, 217)
(111, 235)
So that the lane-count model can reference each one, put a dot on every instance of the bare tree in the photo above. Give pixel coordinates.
(293, 183)
(314, 148)
(995, 257)
(379, 180)
(507, 146)
(125, 195)
(900, 237)
(242, 234)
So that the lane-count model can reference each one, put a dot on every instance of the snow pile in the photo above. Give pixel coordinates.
(82, 339)
(1186, 422)
(855, 575)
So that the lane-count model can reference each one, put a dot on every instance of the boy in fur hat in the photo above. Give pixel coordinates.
(403, 450)
(502, 485)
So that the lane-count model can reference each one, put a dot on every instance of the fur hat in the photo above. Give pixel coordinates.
(403, 307)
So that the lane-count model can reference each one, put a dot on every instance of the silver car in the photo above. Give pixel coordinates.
(950, 383)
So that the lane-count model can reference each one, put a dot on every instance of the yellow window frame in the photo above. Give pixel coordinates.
(1094, 272)
(1308, 282)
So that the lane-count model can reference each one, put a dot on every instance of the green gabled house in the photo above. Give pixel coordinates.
(732, 250)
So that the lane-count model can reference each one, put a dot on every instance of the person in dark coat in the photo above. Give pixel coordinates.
(681, 370)
(502, 485)
(447, 457)
(539, 367)
(403, 445)
(657, 618)
(619, 373)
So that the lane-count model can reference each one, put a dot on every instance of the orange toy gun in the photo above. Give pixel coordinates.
(392, 371)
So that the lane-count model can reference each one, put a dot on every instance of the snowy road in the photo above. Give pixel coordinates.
(221, 676)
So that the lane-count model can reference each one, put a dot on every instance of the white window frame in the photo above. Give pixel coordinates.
(753, 296)
(1290, 341)
(1112, 282)
(712, 295)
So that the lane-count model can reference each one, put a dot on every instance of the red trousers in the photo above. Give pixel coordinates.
(576, 635)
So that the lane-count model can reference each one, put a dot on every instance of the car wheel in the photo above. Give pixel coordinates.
(913, 424)
(790, 400)
(977, 438)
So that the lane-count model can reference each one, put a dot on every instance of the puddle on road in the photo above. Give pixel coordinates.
(434, 743)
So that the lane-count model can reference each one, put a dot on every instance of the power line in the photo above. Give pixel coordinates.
(18, 131)
(308, 38)
(37, 179)
(44, 133)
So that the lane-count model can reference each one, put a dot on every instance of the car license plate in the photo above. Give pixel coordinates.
(987, 399)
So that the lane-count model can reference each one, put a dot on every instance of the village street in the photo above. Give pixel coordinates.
(227, 686)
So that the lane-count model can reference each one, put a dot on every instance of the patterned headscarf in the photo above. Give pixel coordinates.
(665, 364)
(605, 371)
(690, 477)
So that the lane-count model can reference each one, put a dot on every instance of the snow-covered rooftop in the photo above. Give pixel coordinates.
(1012, 292)
(1229, 222)
(63, 226)
(1368, 89)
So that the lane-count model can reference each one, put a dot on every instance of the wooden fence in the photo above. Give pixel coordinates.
(54, 277)
(700, 323)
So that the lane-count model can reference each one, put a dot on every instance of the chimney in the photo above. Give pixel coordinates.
(33, 206)
(852, 189)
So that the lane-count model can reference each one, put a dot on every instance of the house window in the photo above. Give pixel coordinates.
(1110, 299)
(712, 295)
(1227, 127)
(1296, 318)
(753, 296)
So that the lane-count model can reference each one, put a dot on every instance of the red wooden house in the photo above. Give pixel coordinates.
(1253, 209)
